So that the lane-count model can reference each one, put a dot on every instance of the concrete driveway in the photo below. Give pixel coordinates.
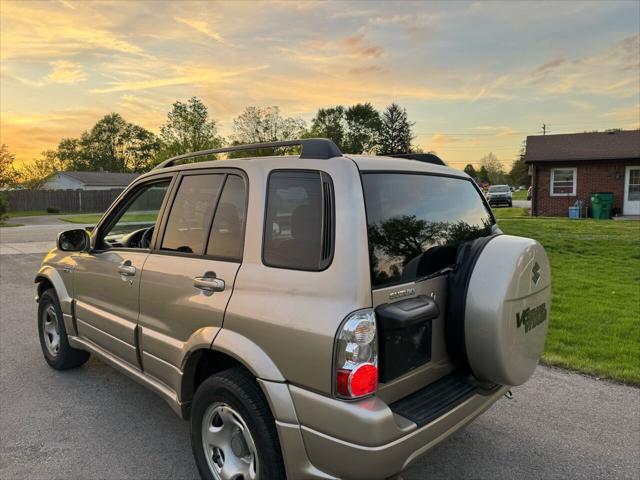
(94, 422)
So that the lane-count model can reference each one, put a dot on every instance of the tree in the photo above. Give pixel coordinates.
(494, 168)
(396, 131)
(330, 123)
(113, 144)
(470, 170)
(8, 173)
(265, 124)
(4, 206)
(363, 128)
(34, 175)
(188, 129)
(69, 154)
(519, 173)
(483, 175)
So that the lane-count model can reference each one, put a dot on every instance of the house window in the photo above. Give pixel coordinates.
(563, 182)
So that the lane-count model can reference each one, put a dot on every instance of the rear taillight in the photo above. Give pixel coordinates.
(356, 356)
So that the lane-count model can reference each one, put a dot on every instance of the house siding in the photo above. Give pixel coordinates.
(591, 177)
(62, 182)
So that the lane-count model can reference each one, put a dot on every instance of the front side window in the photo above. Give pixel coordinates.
(136, 221)
(563, 181)
(416, 223)
(188, 224)
(298, 220)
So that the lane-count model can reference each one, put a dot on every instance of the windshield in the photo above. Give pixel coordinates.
(498, 189)
(416, 223)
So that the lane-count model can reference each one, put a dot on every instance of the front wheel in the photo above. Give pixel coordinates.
(233, 433)
(53, 335)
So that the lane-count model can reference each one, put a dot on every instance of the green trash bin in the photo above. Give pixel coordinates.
(601, 205)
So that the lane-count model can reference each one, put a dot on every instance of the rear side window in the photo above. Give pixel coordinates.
(416, 223)
(187, 227)
(299, 220)
(227, 232)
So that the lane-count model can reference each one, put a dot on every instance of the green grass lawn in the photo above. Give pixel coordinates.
(29, 213)
(595, 309)
(521, 195)
(93, 218)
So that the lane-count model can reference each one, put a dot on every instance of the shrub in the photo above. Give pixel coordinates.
(4, 206)
(53, 210)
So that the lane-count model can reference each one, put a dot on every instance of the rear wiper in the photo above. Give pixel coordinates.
(437, 273)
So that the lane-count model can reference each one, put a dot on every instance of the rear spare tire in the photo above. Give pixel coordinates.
(499, 304)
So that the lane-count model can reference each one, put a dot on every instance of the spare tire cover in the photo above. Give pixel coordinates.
(507, 307)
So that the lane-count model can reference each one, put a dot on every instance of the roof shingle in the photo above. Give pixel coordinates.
(96, 179)
(613, 145)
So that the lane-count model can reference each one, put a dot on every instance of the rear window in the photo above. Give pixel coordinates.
(416, 223)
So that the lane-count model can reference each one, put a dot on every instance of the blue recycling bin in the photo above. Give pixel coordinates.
(574, 212)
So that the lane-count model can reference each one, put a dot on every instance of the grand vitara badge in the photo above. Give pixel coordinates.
(531, 317)
(407, 292)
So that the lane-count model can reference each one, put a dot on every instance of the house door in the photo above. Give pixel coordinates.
(631, 204)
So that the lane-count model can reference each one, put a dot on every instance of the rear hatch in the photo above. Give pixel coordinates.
(416, 222)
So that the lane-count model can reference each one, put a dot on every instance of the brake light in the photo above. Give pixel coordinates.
(356, 356)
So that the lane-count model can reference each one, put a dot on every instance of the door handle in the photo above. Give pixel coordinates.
(126, 269)
(209, 283)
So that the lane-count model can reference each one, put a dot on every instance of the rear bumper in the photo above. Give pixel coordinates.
(363, 440)
(355, 461)
(500, 201)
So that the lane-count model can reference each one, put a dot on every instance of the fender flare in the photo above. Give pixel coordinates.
(248, 354)
(51, 275)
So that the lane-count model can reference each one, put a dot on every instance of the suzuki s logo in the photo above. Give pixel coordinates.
(531, 317)
(535, 273)
(402, 293)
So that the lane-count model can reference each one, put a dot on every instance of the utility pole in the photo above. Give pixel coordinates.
(544, 129)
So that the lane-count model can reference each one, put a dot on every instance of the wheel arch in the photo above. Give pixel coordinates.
(49, 277)
(229, 349)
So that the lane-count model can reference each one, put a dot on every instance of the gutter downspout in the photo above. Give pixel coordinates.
(534, 191)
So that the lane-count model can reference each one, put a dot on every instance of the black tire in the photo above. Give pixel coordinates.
(238, 389)
(64, 356)
(457, 287)
(510, 204)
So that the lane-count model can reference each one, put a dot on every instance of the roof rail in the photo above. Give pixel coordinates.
(320, 148)
(421, 157)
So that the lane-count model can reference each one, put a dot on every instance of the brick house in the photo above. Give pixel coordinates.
(570, 167)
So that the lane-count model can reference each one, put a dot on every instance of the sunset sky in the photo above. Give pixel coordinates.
(475, 77)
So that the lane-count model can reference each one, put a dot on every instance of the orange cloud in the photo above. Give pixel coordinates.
(358, 46)
(65, 71)
(202, 27)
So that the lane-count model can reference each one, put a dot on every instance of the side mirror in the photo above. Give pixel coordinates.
(76, 240)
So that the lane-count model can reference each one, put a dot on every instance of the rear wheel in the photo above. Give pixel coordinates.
(233, 433)
(53, 335)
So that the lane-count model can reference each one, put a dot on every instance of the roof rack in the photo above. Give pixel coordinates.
(318, 148)
(421, 157)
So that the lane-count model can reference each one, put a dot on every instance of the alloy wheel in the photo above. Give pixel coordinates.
(51, 330)
(228, 445)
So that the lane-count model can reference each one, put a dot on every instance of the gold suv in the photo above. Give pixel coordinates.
(315, 316)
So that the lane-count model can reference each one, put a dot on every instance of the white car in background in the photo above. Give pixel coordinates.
(499, 195)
